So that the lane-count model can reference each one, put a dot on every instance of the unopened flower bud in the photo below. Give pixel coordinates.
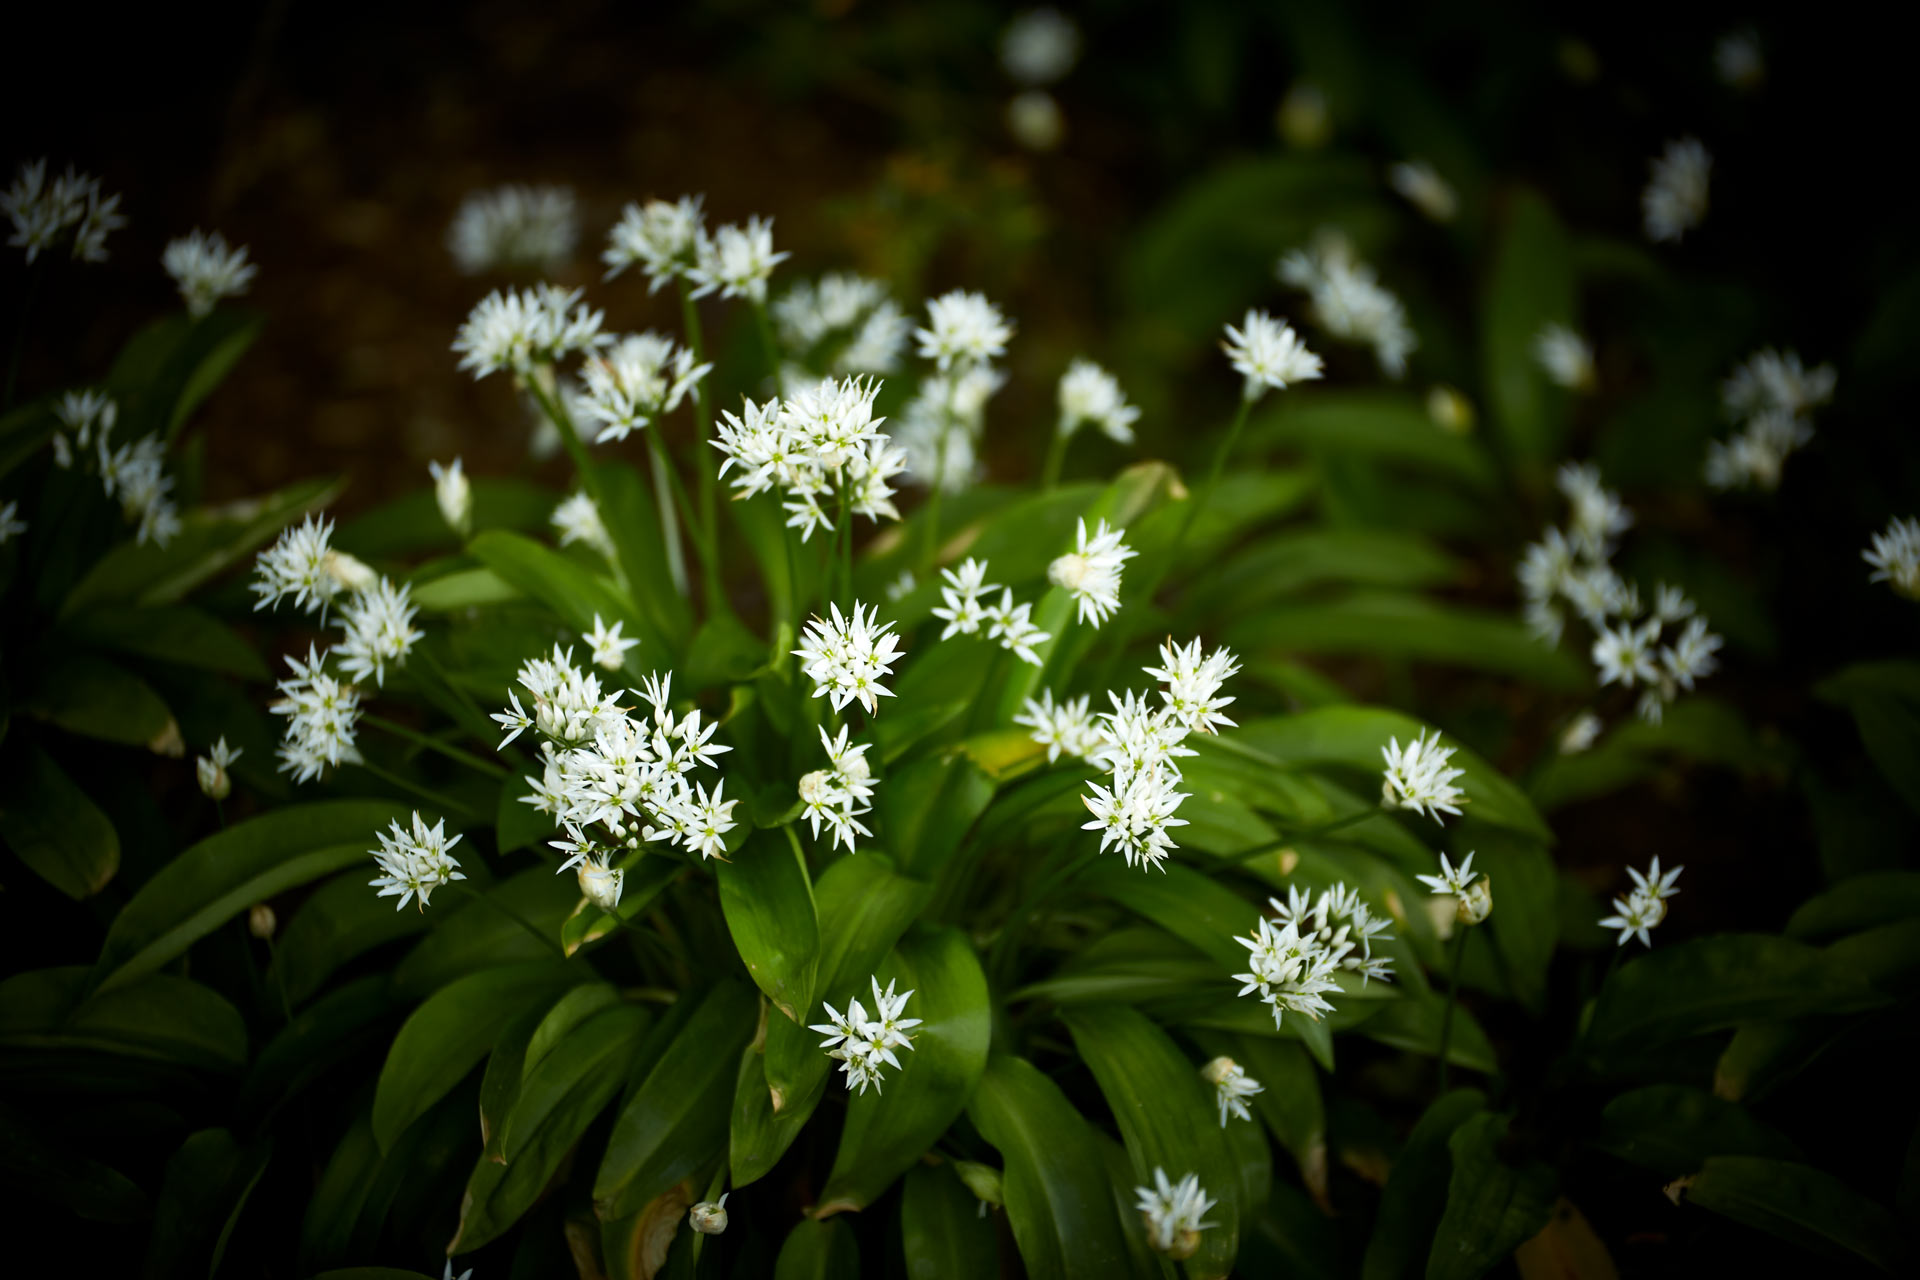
(348, 573)
(1451, 411)
(1185, 1244)
(1069, 571)
(601, 884)
(261, 922)
(1221, 1068)
(709, 1217)
(983, 1180)
(211, 770)
(1476, 902)
(454, 494)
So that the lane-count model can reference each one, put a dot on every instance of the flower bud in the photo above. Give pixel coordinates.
(1219, 1070)
(1451, 411)
(348, 573)
(214, 782)
(983, 1180)
(709, 1217)
(454, 494)
(1069, 571)
(602, 884)
(261, 922)
(1476, 904)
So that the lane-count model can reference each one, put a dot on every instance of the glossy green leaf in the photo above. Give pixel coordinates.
(451, 1032)
(633, 522)
(574, 593)
(677, 1119)
(767, 897)
(1525, 927)
(412, 524)
(942, 1231)
(1416, 1191)
(204, 1187)
(96, 698)
(1198, 910)
(1857, 903)
(1532, 287)
(350, 1020)
(159, 1016)
(1286, 564)
(1059, 1201)
(1673, 1129)
(757, 1134)
(647, 877)
(168, 633)
(818, 1251)
(51, 825)
(506, 1070)
(341, 921)
(887, 1131)
(216, 879)
(461, 590)
(1386, 426)
(927, 808)
(51, 1170)
(1804, 1206)
(1492, 1207)
(519, 921)
(1884, 698)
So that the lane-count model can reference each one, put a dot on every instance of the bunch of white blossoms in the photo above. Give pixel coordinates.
(134, 473)
(376, 620)
(1417, 777)
(1066, 727)
(1646, 906)
(1232, 1086)
(862, 1044)
(1895, 557)
(1574, 568)
(1091, 571)
(839, 794)
(1139, 745)
(206, 269)
(1675, 200)
(941, 429)
(81, 414)
(415, 862)
(822, 442)
(846, 656)
(1772, 395)
(1565, 356)
(634, 381)
(1295, 956)
(515, 228)
(1174, 1213)
(613, 780)
(45, 213)
(1349, 301)
(846, 324)
(1267, 353)
(1089, 395)
(965, 612)
(1472, 893)
(671, 242)
(576, 519)
(516, 329)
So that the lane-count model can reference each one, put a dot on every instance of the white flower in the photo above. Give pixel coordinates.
(1175, 1214)
(43, 213)
(322, 717)
(297, 565)
(1193, 684)
(1267, 353)
(1091, 571)
(577, 519)
(1646, 906)
(963, 329)
(1039, 46)
(517, 329)
(862, 1044)
(378, 623)
(902, 587)
(1232, 1087)
(1089, 394)
(600, 881)
(1349, 302)
(1675, 200)
(1066, 727)
(1581, 733)
(1421, 185)
(1754, 457)
(135, 474)
(1476, 904)
(1451, 880)
(839, 795)
(960, 604)
(1597, 517)
(1339, 921)
(417, 862)
(206, 269)
(210, 770)
(514, 227)
(1011, 625)
(1895, 557)
(941, 427)
(846, 320)
(80, 412)
(1690, 657)
(738, 261)
(1625, 654)
(1565, 356)
(1418, 778)
(1776, 381)
(609, 648)
(832, 419)
(11, 525)
(1133, 814)
(667, 240)
(454, 495)
(846, 657)
(1653, 883)
(709, 1217)
(635, 381)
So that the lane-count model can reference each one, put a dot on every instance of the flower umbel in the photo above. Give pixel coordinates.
(1175, 1214)
(1417, 777)
(1232, 1087)
(416, 862)
(1091, 571)
(207, 269)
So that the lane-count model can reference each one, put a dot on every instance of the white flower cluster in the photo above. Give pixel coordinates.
(1675, 200)
(323, 715)
(611, 779)
(1139, 745)
(941, 428)
(1574, 568)
(1420, 185)
(1566, 357)
(864, 1044)
(1294, 957)
(1417, 777)
(965, 613)
(1895, 557)
(737, 261)
(206, 269)
(1267, 353)
(210, 770)
(81, 413)
(665, 240)
(135, 474)
(515, 228)
(1646, 906)
(1232, 1087)
(1349, 301)
(845, 324)
(415, 862)
(1091, 571)
(43, 213)
(1089, 395)
(1472, 893)
(840, 794)
(636, 380)
(577, 519)
(516, 329)
(822, 442)
(1175, 1214)
(846, 657)
(1772, 395)
(963, 330)
(1063, 728)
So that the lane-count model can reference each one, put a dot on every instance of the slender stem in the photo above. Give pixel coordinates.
(431, 797)
(546, 939)
(1454, 955)
(665, 482)
(220, 812)
(1056, 458)
(703, 461)
(1202, 498)
(538, 382)
(844, 519)
(279, 978)
(452, 753)
(930, 540)
(768, 346)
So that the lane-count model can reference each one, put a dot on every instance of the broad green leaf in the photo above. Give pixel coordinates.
(461, 590)
(1166, 1116)
(927, 808)
(818, 1251)
(1525, 925)
(53, 1170)
(886, 1132)
(1673, 1128)
(223, 875)
(343, 920)
(519, 920)
(1698, 728)
(1802, 1205)
(1416, 1191)
(757, 1134)
(768, 900)
(1884, 698)
(1414, 1023)
(348, 1209)
(159, 1017)
(1293, 1237)
(1286, 564)
(1198, 910)
(448, 1035)
(943, 1233)
(51, 825)
(506, 1070)
(1384, 426)
(1492, 1207)
(574, 593)
(96, 698)
(1288, 1102)
(1857, 903)
(1532, 286)
(204, 1187)
(413, 524)
(676, 1120)
(1059, 1201)
(349, 1020)
(169, 633)
(167, 369)
(1352, 737)
(1252, 1156)
(633, 522)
